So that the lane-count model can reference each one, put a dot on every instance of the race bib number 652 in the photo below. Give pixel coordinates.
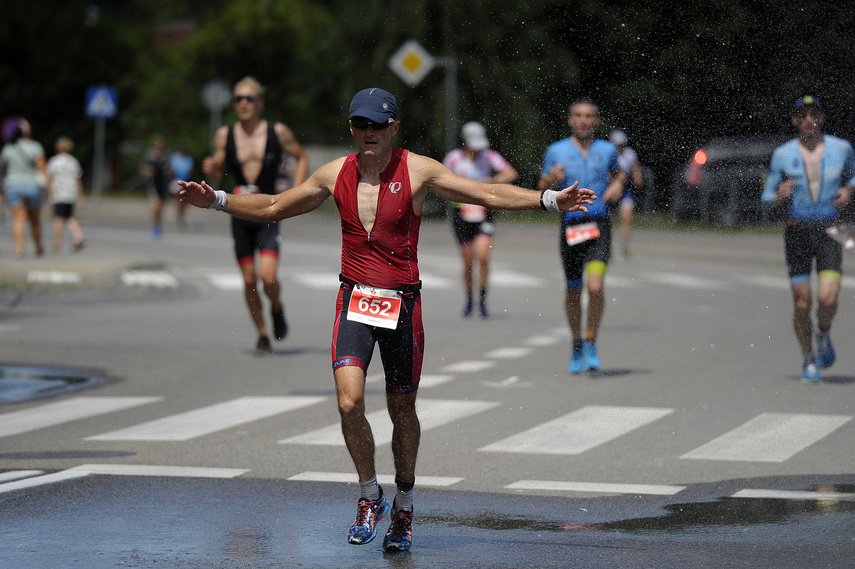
(374, 306)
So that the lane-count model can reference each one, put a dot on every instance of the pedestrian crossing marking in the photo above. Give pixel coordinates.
(596, 487)
(769, 437)
(468, 366)
(54, 277)
(353, 478)
(34, 481)
(681, 280)
(433, 413)
(18, 474)
(159, 470)
(207, 420)
(542, 341)
(514, 279)
(155, 279)
(574, 434)
(794, 495)
(53, 414)
(507, 353)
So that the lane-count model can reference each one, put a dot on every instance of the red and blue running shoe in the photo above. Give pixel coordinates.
(368, 513)
(400, 534)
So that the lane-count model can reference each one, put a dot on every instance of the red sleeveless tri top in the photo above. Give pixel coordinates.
(388, 256)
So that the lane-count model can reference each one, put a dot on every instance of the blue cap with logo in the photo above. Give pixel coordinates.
(374, 104)
(808, 100)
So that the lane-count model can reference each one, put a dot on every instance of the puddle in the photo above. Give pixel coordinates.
(721, 514)
(22, 383)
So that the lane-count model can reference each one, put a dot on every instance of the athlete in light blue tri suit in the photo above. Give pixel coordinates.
(815, 173)
(585, 238)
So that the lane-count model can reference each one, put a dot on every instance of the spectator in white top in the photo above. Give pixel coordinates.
(65, 192)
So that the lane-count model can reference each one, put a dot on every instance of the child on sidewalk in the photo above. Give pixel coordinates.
(66, 190)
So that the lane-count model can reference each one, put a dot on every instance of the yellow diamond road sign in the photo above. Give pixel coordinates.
(412, 62)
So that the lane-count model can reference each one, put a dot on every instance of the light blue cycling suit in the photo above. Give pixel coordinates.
(837, 168)
(591, 172)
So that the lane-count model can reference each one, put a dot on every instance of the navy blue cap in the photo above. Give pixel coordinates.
(806, 101)
(374, 104)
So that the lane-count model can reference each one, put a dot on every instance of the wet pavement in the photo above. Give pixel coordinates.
(120, 521)
(261, 519)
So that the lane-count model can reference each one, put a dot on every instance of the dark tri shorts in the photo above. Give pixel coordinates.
(63, 210)
(466, 231)
(401, 349)
(803, 243)
(574, 258)
(252, 236)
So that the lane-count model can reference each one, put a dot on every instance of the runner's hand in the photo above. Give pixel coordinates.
(574, 198)
(199, 195)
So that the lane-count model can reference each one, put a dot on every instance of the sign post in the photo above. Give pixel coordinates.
(412, 63)
(215, 96)
(101, 104)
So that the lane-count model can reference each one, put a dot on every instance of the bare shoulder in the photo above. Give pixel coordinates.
(424, 170)
(326, 175)
(282, 130)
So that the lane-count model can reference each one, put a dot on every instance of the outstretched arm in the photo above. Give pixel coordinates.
(264, 207)
(428, 174)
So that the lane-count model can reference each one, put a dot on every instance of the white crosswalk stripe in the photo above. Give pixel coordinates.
(53, 414)
(579, 431)
(433, 413)
(207, 420)
(770, 437)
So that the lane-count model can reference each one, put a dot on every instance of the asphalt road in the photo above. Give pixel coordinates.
(697, 443)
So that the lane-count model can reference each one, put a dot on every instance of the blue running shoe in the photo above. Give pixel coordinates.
(825, 355)
(368, 513)
(577, 360)
(400, 534)
(484, 312)
(811, 373)
(592, 360)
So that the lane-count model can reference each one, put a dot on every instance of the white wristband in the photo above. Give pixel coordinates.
(548, 200)
(221, 200)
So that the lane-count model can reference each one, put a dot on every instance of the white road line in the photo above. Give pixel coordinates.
(542, 341)
(468, 366)
(159, 470)
(53, 414)
(156, 279)
(513, 279)
(595, 487)
(18, 474)
(428, 381)
(432, 413)
(769, 437)
(54, 277)
(686, 281)
(207, 420)
(42, 480)
(226, 281)
(387, 479)
(579, 431)
(780, 282)
(794, 495)
(507, 353)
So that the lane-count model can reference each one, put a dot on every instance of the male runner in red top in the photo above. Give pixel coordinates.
(380, 193)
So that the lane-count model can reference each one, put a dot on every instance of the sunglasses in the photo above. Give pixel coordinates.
(247, 98)
(361, 123)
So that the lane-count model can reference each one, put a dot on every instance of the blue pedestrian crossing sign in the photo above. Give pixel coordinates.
(101, 102)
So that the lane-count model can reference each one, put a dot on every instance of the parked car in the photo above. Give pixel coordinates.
(724, 179)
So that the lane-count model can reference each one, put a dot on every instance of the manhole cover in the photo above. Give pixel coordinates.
(22, 383)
